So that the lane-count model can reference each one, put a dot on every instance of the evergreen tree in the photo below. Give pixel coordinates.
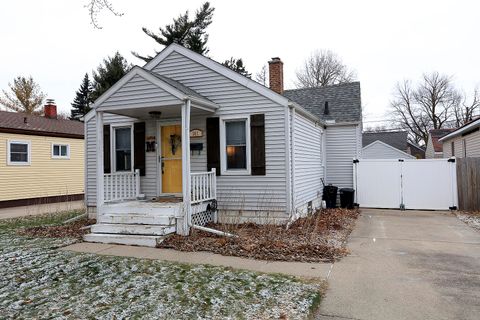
(112, 70)
(237, 66)
(188, 33)
(83, 99)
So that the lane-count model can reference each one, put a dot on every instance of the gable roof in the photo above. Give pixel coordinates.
(436, 135)
(14, 122)
(463, 130)
(396, 139)
(344, 101)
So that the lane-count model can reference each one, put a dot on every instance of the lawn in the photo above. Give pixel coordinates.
(39, 281)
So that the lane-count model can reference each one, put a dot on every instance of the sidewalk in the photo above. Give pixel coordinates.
(16, 212)
(298, 269)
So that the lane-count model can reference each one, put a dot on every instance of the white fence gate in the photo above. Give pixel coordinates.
(407, 183)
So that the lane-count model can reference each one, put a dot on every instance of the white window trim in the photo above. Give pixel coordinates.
(113, 154)
(60, 156)
(223, 147)
(29, 156)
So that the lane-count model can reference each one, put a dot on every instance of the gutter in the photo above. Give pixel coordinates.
(460, 130)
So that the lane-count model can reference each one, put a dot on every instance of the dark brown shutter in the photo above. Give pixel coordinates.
(257, 138)
(106, 149)
(213, 144)
(139, 145)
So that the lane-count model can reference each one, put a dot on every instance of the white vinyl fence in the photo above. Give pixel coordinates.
(429, 184)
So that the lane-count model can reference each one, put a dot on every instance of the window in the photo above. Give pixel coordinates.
(453, 148)
(18, 152)
(60, 151)
(123, 149)
(235, 146)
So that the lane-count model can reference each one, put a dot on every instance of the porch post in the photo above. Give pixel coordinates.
(186, 165)
(99, 149)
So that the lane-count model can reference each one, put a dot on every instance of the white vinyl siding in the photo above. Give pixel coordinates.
(429, 151)
(472, 141)
(377, 150)
(307, 161)
(265, 193)
(342, 146)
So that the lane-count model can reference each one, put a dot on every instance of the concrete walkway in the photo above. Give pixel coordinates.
(298, 269)
(16, 212)
(406, 265)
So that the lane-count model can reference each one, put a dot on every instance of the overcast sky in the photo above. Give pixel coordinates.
(384, 41)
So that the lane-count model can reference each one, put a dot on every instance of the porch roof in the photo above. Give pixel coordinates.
(147, 91)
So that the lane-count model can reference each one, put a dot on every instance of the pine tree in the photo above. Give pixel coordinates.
(112, 70)
(83, 99)
(237, 66)
(188, 33)
(25, 97)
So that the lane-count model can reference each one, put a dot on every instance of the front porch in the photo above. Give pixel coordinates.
(183, 198)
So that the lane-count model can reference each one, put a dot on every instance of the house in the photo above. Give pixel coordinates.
(462, 142)
(389, 145)
(434, 146)
(185, 140)
(42, 158)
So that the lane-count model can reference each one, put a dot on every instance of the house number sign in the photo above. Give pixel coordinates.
(196, 133)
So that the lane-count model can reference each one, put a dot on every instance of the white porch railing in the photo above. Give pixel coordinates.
(120, 186)
(203, 186)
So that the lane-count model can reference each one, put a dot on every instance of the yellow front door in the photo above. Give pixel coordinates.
(171, 158)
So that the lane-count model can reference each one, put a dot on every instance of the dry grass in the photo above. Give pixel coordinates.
(319, 237)
(72, 230)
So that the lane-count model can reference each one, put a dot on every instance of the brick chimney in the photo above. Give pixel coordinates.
(50, 109)
(275, 71)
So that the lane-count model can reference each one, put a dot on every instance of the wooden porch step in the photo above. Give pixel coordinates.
(136, 219)
(165, 210)
(133, 229)
(133, 240)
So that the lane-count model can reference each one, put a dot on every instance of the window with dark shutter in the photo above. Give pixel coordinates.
(139, 145)
(106, 149)
(213, 144)
(257, 138)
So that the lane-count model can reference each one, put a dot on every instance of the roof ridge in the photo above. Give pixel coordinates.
(326, 87)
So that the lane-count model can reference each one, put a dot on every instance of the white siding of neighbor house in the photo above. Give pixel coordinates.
(307, 161)
(381, 151)
(472, 142)
(148, 183)
(429, 151)
(259, 193)
(343, 144)
(139, 92)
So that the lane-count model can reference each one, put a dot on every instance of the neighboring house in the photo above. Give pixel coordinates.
(42, 158)
(389, 145)
(463, 142)
(190, 136)
(434, 146)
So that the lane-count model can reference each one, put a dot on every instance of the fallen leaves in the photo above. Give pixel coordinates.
(72, 230)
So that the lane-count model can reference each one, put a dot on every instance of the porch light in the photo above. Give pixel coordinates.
(155, 114)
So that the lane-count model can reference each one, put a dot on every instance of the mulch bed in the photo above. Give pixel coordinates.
(320, 237)
(71, 230)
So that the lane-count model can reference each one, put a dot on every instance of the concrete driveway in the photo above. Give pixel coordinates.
(407, 265)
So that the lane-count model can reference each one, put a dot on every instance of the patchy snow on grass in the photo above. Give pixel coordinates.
(39, 281)
(472, 219)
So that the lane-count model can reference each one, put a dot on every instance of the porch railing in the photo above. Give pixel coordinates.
(203, 186)
(120, 186)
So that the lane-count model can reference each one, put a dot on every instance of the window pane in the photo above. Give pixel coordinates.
(56, 151)
(18, 157)
(235, 132)
(18, 147)
(236, 157)
(63, 151)
(123, 152)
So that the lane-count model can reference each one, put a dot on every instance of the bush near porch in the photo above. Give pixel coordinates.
(320, 237)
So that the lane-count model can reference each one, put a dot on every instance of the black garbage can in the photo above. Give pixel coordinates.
(347, 198)
(330, 196)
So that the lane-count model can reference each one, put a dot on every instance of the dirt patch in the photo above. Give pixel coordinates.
(72, 230)
(320, 237)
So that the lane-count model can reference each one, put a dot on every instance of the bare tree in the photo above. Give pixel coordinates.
(434, 103)
(96, 6)
(323, 68)
(25, 96)
(466, 110)
(262, 76)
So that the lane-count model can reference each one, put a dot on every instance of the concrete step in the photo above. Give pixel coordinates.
(133, 229)
(136, 219)
(133, 240)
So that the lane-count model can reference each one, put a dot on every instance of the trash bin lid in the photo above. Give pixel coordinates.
(347, 190)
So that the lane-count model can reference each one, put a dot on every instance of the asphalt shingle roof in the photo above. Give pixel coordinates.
(396, 139)
(30, 123)
(344, 101)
